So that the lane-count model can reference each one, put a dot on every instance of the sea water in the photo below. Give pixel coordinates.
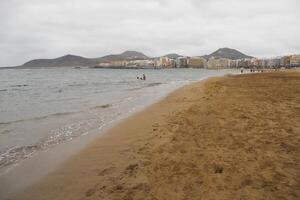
(40, 108)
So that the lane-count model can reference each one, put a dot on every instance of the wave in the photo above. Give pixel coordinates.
(38, 118)
(77, 84)
(153, 84)
(145, 86)
(12, 156)
(15, 154)
(4, 132)
(19, 85)
(103, 106)
(4, 123)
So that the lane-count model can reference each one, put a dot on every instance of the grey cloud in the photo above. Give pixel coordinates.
(51, 28)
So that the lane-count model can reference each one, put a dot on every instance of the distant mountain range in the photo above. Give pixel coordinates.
(74, 61)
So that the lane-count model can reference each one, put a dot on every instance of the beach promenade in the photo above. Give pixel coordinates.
(235, 137)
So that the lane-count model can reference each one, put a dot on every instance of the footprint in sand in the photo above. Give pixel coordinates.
(131, 169)
(106, 171)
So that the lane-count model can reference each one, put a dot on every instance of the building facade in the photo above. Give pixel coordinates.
(295, 61)
(197, 62)
(182, 62)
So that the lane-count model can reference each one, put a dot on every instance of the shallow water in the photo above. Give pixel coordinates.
(40, 108)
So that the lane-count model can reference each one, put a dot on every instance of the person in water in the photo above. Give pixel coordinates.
(141, 78)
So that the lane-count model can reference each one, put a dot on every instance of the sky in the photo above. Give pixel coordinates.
(31, 29)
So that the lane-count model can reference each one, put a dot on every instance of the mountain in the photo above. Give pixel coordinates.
(173, 55)
(133, 55)
(64, 61)
(74, 61)
(78, 61)
(227, 53)
(127, 55)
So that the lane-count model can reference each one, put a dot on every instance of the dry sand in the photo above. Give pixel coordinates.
(236, 137)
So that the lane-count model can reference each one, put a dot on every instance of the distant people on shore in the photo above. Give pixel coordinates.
(262, 70)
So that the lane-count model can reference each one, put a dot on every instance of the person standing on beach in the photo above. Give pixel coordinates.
(144, 77)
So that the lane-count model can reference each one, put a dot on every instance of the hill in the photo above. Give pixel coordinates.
(74, 61)
(227, 53)
(132, 55)
(64, 61)
(173, 55)
(127, 55)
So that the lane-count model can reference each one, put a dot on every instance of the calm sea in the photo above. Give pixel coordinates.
(40, 108)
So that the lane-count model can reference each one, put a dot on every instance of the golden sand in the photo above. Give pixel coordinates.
(236, 137)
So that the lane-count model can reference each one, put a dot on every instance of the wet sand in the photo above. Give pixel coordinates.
(236, 137)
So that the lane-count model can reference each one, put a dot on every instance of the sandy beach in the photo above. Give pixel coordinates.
(235, 137)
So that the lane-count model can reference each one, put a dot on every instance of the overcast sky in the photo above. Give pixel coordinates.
(92, 28)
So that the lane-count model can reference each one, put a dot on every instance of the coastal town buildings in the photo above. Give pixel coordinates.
(157, 63)
(232, 63)
(262, 63)
(140, 63)
(117, 63)
(273, 62)
(197, 62)
(164, 62)
(200, 62)
(167, 62)
(128, 64)
(284, 61)
(254, 62)
(218, 63)
(182, 62)
(294, 61)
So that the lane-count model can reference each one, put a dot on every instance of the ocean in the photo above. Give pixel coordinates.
(41, 108)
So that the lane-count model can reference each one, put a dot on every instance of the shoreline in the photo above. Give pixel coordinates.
(51, 130)
(136, 156)
(21, 175)
(108, 133)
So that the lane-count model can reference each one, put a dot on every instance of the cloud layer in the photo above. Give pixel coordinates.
(93, 28)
